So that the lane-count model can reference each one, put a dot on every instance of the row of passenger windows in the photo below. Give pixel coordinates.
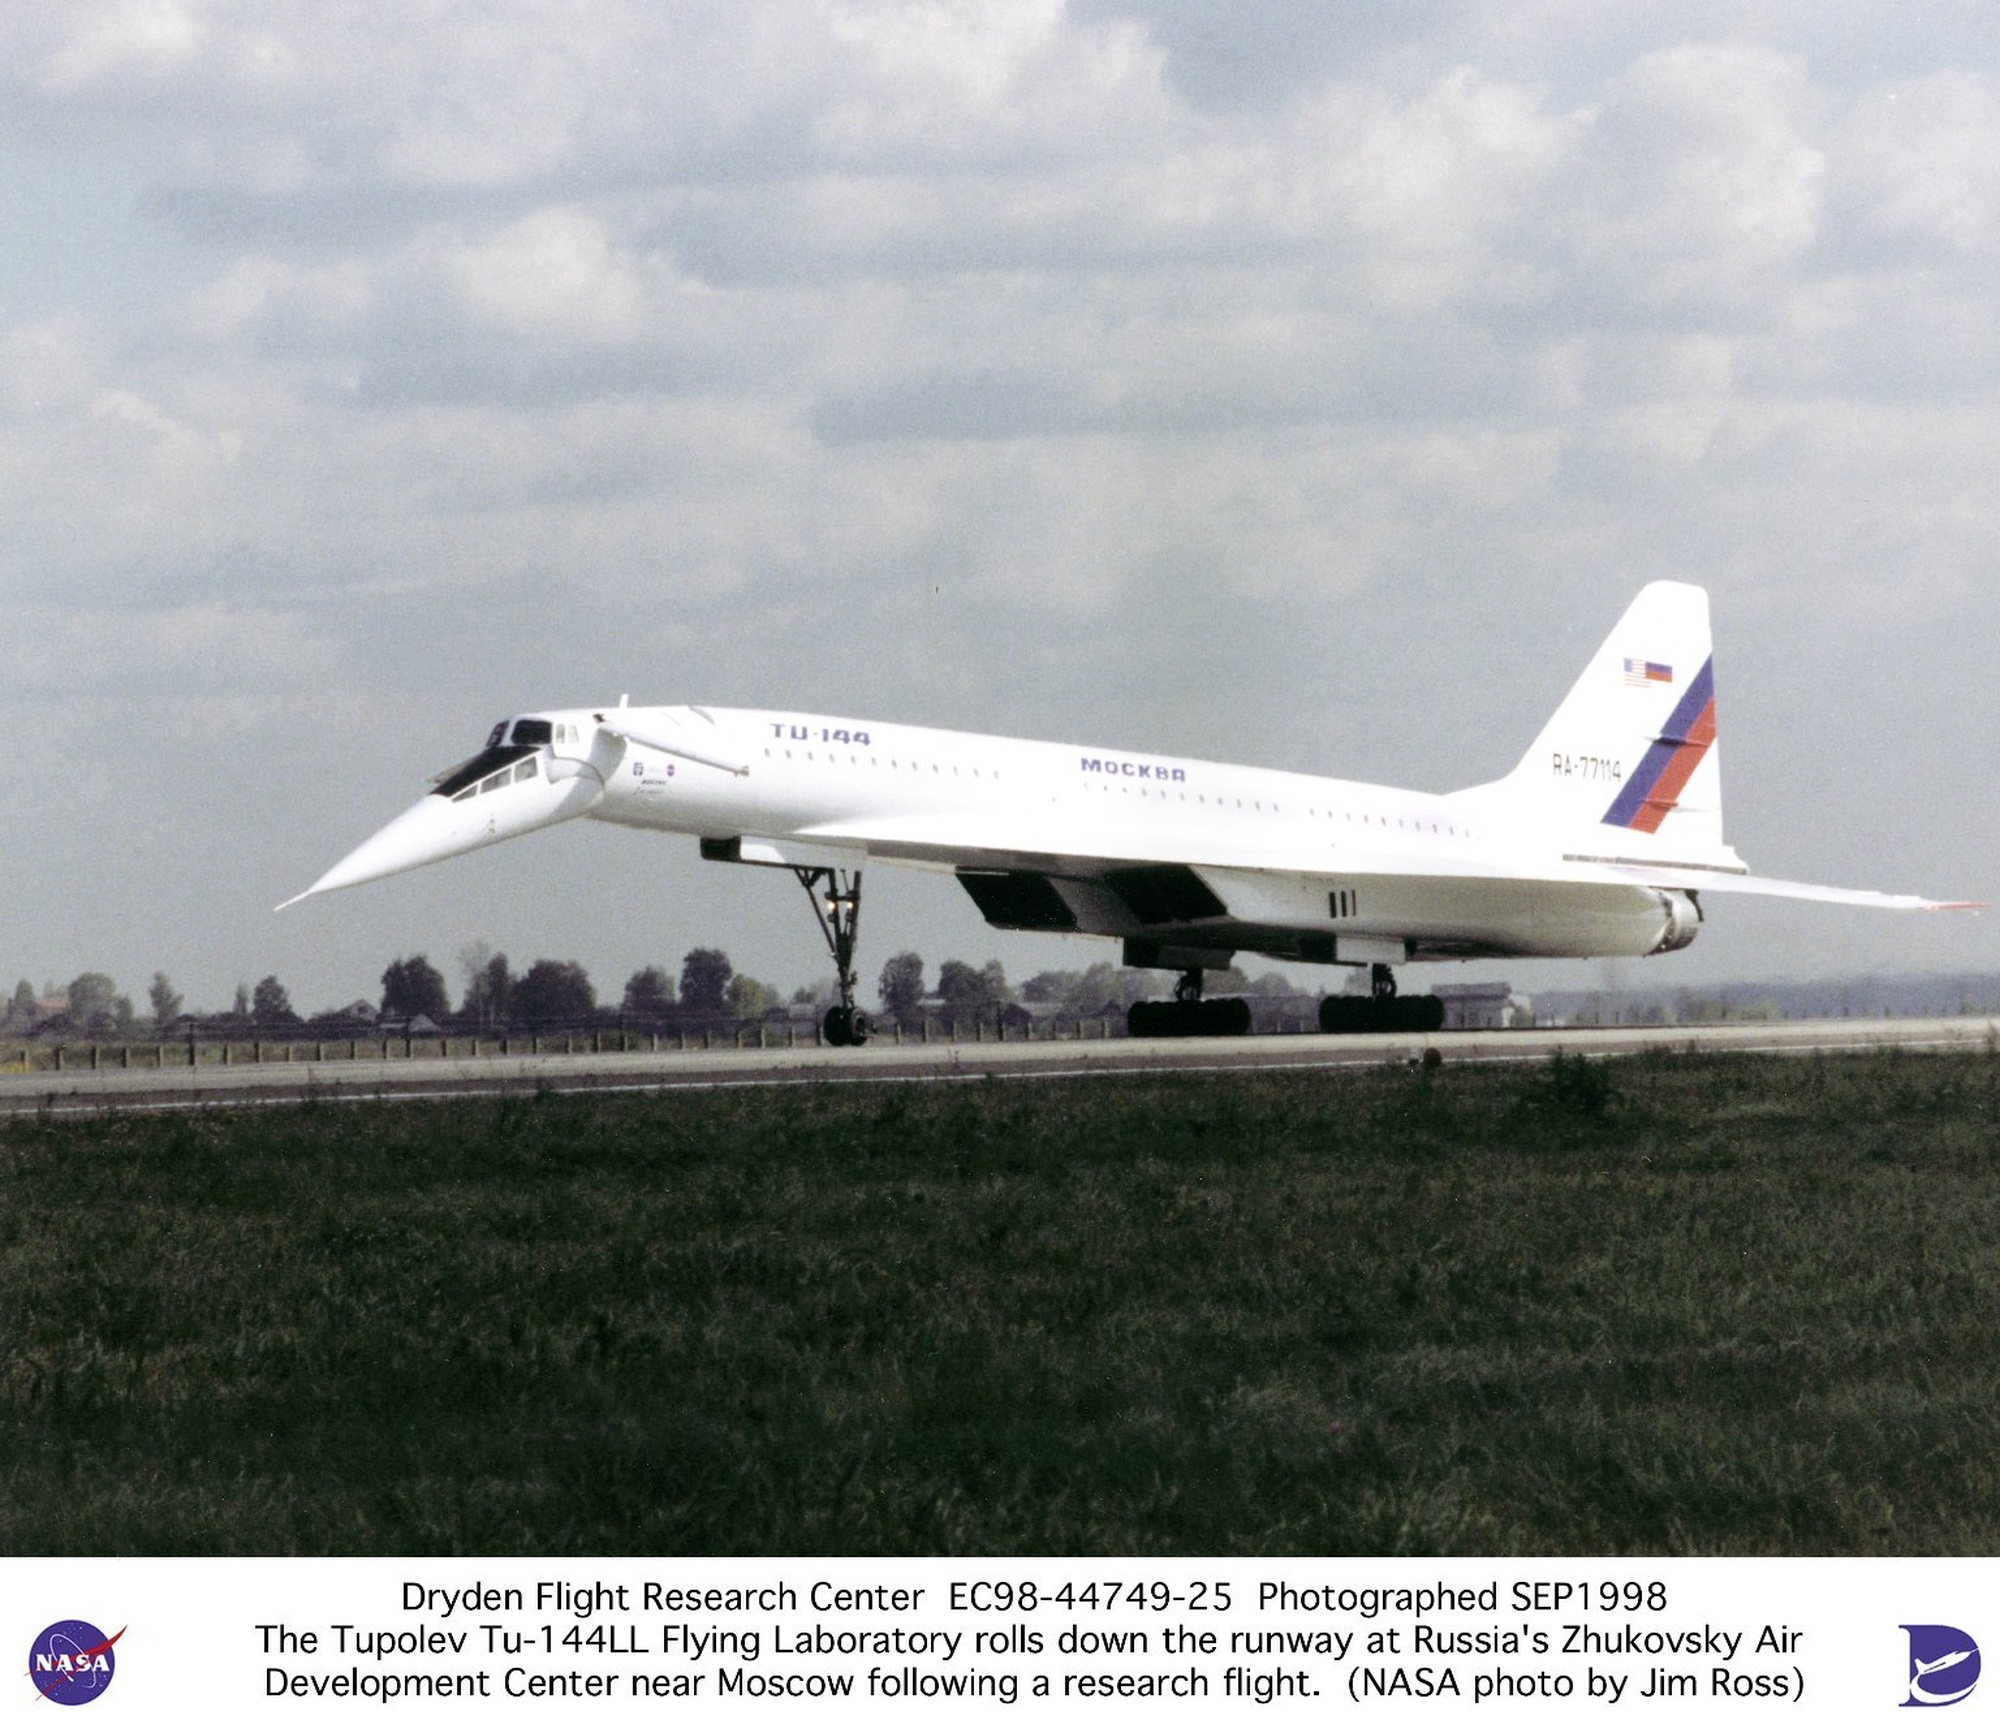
(1432, 826)
(873, 759)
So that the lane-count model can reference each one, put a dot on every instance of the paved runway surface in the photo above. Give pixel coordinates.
(92, 1092)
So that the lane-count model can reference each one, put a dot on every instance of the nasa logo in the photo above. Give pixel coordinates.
(1944, 1665)
(72, 1662)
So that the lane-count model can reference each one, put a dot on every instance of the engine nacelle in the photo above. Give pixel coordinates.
(1683, 914)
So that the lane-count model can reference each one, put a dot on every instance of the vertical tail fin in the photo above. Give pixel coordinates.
(1632, 749)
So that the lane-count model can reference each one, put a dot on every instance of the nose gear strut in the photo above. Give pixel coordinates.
(839, 914)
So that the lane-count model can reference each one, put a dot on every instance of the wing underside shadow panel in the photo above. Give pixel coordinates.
(1019, 901)
(1111, 902)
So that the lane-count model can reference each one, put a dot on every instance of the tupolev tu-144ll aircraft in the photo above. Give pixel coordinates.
(1602, 841)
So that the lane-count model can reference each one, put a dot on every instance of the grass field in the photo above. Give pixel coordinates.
(1677, 1304)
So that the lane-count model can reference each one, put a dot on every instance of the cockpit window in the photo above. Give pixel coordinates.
(498, 735)
(468, 774)
(533, 732)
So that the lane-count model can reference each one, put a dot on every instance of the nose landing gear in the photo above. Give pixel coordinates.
(839, 915)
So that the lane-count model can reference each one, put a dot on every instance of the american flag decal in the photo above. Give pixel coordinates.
(1640, 673)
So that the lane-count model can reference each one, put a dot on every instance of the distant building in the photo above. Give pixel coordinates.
(1284, 1012)
(1474, 1008)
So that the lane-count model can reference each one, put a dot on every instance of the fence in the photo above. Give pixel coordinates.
(305, 1046)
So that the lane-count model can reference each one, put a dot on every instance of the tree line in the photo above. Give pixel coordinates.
(494, 997)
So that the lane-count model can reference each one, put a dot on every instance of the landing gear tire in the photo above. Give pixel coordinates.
(1381, 1014)
(1212, 1018)
(845, 1026)
(1381, 1011)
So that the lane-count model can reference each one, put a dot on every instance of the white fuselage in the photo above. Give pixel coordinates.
(1311, 868)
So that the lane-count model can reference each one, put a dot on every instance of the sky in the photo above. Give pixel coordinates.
(1276, 383)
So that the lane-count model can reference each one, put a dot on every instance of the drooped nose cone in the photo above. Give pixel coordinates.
(433, 829)
(438, 827)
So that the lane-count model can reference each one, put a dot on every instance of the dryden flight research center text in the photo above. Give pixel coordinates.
(979, 1635)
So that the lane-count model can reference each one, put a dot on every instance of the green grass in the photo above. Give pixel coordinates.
(1680, 1305)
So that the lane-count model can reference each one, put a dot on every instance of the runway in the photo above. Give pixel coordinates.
(72, 1093)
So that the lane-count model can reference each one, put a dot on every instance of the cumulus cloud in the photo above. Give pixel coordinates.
(1427, 192)
(1923, 160)
(552, 272)
(1704, 179)
(136, 40)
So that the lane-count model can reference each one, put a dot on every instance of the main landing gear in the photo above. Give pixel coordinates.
(839, 913)
(1189, 1016)
(1382, 1011)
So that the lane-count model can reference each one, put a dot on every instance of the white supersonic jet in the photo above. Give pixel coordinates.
(1601, 841)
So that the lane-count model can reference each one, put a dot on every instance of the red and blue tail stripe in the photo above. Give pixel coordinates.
(1655, 787)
